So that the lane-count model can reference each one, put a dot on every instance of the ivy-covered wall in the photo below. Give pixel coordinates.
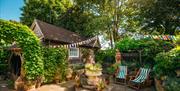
(55, 64)
(14, 32)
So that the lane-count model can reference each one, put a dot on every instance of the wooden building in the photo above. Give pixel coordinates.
(53, 35)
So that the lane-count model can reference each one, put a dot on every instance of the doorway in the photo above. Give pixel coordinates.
(15, 65)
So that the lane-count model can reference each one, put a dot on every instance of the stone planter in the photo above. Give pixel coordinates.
(29, 85)
(158, 85)
(57, 81)
(177, 72)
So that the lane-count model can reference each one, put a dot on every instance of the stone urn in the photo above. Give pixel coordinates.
(29, 85)
(69, 74)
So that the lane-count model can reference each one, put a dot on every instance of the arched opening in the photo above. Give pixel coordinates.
(15, 63)
(32, 65)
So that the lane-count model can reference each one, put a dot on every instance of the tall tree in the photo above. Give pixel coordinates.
(160, 16)
(75, 15)
(45, 10)
(83, 18)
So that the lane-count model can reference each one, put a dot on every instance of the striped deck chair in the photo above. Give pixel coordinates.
(140, 79)
(121, 75)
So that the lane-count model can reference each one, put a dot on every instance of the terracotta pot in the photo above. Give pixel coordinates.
(27, 87)
(57, 81)
(158, 85)
(38, 85)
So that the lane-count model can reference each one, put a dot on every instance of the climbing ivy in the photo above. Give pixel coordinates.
(55, 64)
(15, 32)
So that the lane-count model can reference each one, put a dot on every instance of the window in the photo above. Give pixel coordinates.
(73, 52)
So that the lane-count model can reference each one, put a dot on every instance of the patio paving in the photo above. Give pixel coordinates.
(4, 86)
(118, 87)
(69, 86)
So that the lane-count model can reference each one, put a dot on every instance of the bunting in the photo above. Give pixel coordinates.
(74, 45)
(161, 37)
(156, 37)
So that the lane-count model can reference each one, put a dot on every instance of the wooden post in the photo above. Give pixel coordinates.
(140, 59)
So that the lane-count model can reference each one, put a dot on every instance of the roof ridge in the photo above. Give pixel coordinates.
(63, 29)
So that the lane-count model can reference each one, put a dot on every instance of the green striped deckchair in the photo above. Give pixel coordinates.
(122, 73)
(141, 77)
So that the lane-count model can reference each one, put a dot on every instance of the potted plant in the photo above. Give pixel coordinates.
(101, 85)
(77, 80)
(29, 85)
(39, 81)
(69, 74)
(57, 77)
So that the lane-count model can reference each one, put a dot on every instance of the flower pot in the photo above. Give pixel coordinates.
(158, 85)
(29, 87)
(57, 81)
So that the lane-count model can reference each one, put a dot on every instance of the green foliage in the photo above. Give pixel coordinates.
(4, 54)
(172, 84)
(128, 44)
(55, 63)
(90, 17)
(76, 67)
(111, 70)
(3, 68)
(132, 64)
(82, 18)
(148, 47)
(178, 40)
(10, 84)
(76, 16)
(30, 44)
(150, 16)
(45, 10)
(105, 55)
(161, 16)
(167, 63)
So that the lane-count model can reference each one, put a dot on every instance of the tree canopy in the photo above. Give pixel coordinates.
(91, 17)
(45, 10)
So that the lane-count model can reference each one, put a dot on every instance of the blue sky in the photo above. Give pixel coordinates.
(10, 9)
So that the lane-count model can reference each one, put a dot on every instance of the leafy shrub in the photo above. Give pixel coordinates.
(172, 84)
(167, 63)
(3, 68)
(111, 69)
(127, 44)
(3, 61)
(10, 84)
(131, 64)
(77, 66)
(55, 63)
(107, 56)
(30, 44)
(148, 47)
(4, 54)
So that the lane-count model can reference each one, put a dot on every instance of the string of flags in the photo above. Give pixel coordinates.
(138, 36)
(156, 37)
(161, 37)
(74, 45)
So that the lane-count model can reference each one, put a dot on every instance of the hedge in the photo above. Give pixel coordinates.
(15, 32)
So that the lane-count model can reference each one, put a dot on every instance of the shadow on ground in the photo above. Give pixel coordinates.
(70, 86)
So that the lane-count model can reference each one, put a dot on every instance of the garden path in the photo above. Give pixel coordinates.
(69, 86)
(4, 86)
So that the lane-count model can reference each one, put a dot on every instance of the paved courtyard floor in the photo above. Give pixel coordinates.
(69, 86)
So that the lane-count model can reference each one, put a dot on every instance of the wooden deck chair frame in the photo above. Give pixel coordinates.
(139, 76)
(121, 75)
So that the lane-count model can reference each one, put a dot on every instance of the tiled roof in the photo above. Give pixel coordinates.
(54, 33)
